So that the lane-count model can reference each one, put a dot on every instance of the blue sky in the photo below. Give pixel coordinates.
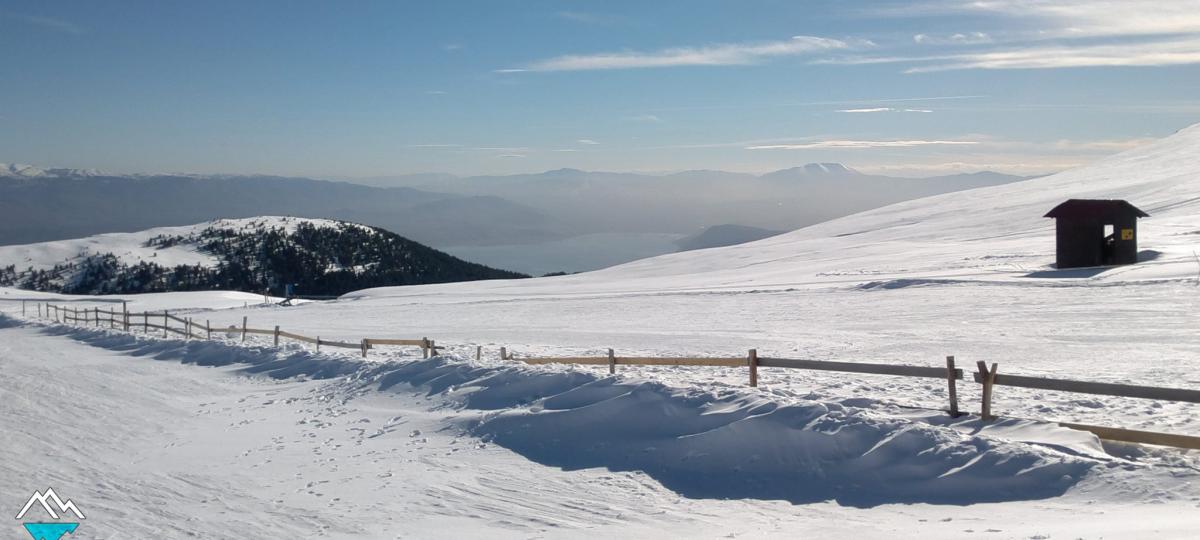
(496, 87)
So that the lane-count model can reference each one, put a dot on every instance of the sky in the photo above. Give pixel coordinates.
(360, 89)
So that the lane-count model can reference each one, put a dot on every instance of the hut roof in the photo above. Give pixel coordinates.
(1095, 208)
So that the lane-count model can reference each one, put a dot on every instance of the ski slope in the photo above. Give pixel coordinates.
(498, 449)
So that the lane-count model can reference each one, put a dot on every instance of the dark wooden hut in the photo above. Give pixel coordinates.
(1094, 232)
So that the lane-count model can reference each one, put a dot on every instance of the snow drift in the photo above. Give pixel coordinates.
(701, 444)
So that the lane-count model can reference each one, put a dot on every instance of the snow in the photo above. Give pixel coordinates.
(268, 443)
(985, 235)
(496, 448)
(10, 299)
(132, 248)
(17, 170)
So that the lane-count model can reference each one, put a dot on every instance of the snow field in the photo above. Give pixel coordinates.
(331, 446)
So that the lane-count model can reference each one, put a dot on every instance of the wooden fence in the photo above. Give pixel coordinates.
(193, 329)
(985, 375)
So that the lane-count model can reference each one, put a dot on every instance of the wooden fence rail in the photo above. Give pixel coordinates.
(1103, 389)
(860, 367)
(150, 320)
(985, 376)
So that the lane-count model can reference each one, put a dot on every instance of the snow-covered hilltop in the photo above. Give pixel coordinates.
(321, 256)
(982, 235)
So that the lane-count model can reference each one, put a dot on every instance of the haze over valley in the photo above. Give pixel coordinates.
(562, 220)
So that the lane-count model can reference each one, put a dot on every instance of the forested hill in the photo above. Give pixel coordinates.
(322, 257)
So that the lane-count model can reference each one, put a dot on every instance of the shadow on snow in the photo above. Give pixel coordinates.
(730, 444)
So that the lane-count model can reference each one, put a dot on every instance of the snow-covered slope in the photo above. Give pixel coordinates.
(479, 448)
(987, 234)
(323, 257)
(133, 248)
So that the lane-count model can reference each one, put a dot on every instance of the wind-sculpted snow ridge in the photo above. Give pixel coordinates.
(699, 443)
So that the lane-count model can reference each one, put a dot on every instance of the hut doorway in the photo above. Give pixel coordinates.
(1108, 245)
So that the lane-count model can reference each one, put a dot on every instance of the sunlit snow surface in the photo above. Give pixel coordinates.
(132, 248)
(493, 447)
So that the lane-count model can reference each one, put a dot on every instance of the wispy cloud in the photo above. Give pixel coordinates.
(649, 118)
(435, 146)
(1156, 53)
(883, 110)
(853, 144)
(969, 38)
(713, 55)
(1049, 34)
(866, 101)
(435, 92)
(51, 23)
(1077, 18)
(511, 156)
(587, 141)
(509, 149)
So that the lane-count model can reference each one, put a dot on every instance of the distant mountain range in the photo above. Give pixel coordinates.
(536, 221)
(606, 202)
(320, 257)
(52, 204)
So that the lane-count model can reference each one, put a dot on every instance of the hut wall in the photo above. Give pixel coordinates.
(1126, 250)
(1080, 243)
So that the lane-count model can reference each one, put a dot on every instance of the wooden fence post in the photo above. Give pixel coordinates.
(503, 353)
(125, 314)
(612, 363)
(425, 347)
(953, 380)
(22, 308)
(277, 336)
(39, 310)
(244, 328)
(207, 329)
(478, 352)
(432, 348)
(364, 347)
(146, 322)
(96, 314)
(318, 343)
(989, 379)
(752, 361)
(187, 328)
(166, 322)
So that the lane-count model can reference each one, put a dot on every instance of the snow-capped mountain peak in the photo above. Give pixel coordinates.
(18, 170)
